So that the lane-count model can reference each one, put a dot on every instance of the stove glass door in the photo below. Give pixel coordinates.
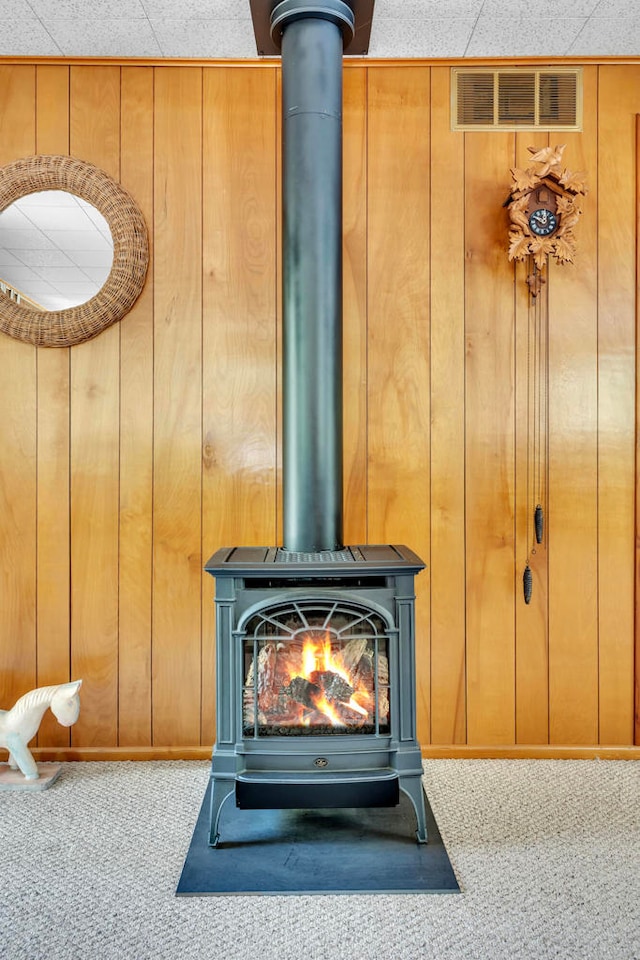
(315, 668)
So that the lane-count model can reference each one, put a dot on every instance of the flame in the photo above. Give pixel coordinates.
(317, 656)
(354, 705)
(310, 651)
(323, 706)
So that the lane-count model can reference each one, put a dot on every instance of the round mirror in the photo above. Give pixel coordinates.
(104, 254)
(56, 250)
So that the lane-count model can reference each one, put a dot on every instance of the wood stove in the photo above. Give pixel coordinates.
(314, 641)
(315, 680)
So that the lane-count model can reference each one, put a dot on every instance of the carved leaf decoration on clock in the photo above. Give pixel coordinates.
(555, 191)
(524, 180)
(564, 248)
(568, 220)
(540, 248)
(564, 205)
(518, 247)
(575, 182)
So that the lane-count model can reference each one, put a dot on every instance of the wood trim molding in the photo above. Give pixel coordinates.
(64, 754)
(534, 751)
(636, 668)
(429, 752)
(349, 62)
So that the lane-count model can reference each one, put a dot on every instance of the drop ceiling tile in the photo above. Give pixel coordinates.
(7, 259)
(420, 38)
(46, 198)
(197, 9)
(101, 267)
(44, 258)
(97, 274)
(92, 258)
(98, 220)
(104, 38)
(19, 276)
(76, 293)
(608, 38)
(58, 275)
(414, 28)
(57, 218)
(53, 301)
(496, 37)
(88, 9)
(26, 240)
(12, 218)
(205, 38)
(17, 10)
(43, 293)
(426, 9)
(546, 9)
(26, 38)
(37, 285)
(616, 8)
(71, 240)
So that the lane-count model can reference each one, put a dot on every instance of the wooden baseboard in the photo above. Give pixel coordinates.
(121, 753)
(429, 752)
(533, 751)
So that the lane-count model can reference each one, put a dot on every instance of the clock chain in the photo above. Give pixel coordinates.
(537, 414)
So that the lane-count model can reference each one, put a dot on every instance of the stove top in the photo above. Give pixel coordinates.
(371, 559)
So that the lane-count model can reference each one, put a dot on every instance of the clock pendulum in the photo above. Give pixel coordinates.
(537, 432)
(543, 209)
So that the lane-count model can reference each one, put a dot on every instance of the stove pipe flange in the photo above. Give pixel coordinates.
(312, 38)
(333, 10)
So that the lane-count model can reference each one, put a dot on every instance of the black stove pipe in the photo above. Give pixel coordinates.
(312, 34)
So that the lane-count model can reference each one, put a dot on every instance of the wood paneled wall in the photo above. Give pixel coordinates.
(127, 460)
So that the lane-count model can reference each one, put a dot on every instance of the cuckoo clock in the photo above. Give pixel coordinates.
(544, 207)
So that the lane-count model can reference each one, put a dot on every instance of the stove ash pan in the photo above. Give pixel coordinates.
(315, 682)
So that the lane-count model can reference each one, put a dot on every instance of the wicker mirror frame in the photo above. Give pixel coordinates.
(64, 328)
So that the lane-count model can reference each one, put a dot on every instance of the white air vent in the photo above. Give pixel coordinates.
(18, 297)
(516, 99)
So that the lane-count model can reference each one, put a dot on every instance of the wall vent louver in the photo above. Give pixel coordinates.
(17, 296)
(516, 99)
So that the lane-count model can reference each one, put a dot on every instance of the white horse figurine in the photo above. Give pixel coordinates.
(20, 724)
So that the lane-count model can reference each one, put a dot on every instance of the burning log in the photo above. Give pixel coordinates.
(352, 653)
(303, 691)
(276, 661)
(334, 687)
(352, 718)
(319, 683)
(267, 684)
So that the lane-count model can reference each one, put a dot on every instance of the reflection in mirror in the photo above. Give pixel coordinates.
(56, 250)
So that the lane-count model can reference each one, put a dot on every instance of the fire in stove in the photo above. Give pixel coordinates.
(313, 678)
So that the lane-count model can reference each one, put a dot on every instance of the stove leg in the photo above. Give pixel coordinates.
(413, 788)
(220, 791)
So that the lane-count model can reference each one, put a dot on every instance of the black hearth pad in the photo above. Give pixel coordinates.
(281, 852)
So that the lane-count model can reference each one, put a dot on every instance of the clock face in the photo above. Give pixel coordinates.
(542, 222)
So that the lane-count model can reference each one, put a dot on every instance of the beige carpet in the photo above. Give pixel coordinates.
(547, 854)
